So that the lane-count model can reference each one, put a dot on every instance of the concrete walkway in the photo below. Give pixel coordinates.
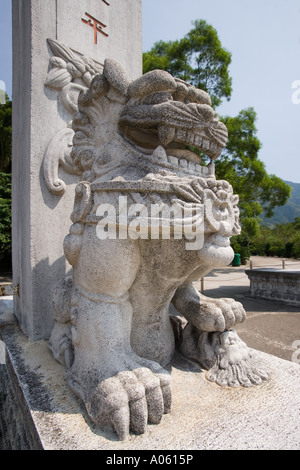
(271, 327)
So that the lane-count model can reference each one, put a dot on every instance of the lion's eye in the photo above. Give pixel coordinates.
(156, 98)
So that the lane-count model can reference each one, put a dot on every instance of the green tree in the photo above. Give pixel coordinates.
(239, 164)
(282, 240)
(5, 180)
(258, 191)
(5, 214)
(5, 135)
(198, 58)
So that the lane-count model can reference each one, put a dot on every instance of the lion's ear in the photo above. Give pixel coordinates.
(116, 75)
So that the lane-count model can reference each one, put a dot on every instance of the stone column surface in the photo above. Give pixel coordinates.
(93, 29)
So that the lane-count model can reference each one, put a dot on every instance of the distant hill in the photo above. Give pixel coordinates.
(287, 213)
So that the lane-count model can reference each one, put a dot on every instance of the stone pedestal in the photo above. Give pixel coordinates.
(275, 284)
(39, 411)
(78, 29)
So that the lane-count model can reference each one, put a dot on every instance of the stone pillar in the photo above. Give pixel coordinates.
(58, 45)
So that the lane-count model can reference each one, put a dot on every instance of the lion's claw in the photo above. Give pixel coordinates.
(129, 400)
(232, 311)
(205, 313)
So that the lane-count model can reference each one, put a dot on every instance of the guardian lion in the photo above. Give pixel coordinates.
(113, 329)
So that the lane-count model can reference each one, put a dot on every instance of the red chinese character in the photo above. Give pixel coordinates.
(96, 25)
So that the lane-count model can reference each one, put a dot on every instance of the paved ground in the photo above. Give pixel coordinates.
(270, 326)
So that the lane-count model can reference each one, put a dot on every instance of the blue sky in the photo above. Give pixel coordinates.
(264, 39)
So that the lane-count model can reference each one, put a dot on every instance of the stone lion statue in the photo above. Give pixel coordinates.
(113, 329)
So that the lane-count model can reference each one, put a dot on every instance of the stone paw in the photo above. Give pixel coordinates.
(205, 313)
(225, 312)
(60, 344)
(131, 399)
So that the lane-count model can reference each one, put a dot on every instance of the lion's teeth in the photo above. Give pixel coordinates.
(166, 134)
(173, 160)
(211, 167)
(160, 153)
(183, 163)
(198, 141)
(213, 146)
(181, 134)
(205, 144)
(192, 166)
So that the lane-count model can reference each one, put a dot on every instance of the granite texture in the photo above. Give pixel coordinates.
(205, 416)
(41, 120)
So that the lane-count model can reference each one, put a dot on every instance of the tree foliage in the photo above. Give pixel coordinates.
(5, 213)
(282, 240)
(239, 164)
(258, 191)
(5, 135)
(198, 58)
(5, 177)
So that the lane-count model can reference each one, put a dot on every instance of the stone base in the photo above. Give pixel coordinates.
(279, 285)
(39, 411)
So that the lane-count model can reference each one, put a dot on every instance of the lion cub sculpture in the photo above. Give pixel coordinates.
(132, 258)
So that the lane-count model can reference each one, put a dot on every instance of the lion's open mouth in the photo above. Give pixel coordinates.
(180, 160)
(168, 113)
